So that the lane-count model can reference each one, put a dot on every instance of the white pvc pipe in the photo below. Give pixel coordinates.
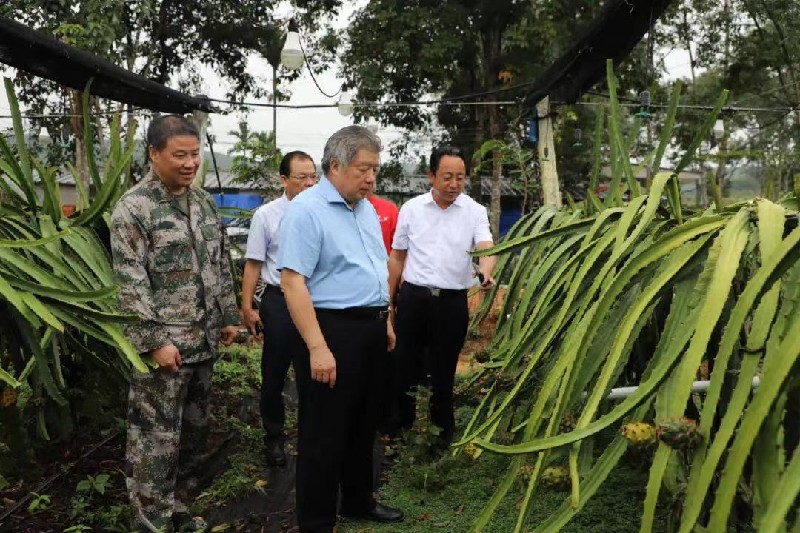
(698, 386)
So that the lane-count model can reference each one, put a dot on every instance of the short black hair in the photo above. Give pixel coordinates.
(164, 127)
(441, 151)
(285, 168)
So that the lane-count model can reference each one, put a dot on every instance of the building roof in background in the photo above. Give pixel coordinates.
(686, 175)
(419, 184)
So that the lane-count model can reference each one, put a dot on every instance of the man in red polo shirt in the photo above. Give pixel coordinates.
(387, 216)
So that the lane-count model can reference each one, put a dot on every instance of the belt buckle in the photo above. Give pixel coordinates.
(435, 292)
(383, 314)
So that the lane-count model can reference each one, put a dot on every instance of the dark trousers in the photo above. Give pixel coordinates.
(276, 356)
(337, 425)
(430, 333)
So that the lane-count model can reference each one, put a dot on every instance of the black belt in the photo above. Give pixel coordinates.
(273, 288)
(432, 291)
(366, 313)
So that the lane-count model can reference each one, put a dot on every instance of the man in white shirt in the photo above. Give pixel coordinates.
(430, 253)
(297, 173)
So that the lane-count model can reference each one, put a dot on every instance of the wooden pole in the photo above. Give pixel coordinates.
(551, 192)
(200, 119)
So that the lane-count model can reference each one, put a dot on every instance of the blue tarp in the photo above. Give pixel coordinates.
(247, 201)
(509, 217)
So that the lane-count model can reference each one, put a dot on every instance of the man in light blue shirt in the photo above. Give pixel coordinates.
(335, 278)
(297, 173)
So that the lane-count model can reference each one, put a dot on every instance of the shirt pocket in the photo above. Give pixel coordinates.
(172, 252)
(211, 237)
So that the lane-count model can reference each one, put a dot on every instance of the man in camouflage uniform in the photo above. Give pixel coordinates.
(170, 257)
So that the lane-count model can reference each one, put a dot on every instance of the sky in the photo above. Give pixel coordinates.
(307, 129)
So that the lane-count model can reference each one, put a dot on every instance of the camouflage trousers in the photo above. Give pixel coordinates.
(167, 434)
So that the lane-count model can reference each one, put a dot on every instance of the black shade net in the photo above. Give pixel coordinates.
(47, 57)
(613, 35)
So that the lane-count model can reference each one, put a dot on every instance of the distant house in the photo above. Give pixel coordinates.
(225, 190)
(690, 182)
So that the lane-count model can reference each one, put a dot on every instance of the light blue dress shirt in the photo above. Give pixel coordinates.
(337, 249)
(262, 240)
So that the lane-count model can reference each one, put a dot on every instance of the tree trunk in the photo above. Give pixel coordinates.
(475, 180)
(551, 192)
(722, 163)
(76, 122)
(495, 206)
(101, 140)
(492, 49)
(129, 133)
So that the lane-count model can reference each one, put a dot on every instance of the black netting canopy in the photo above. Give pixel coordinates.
(612, 35)
(47, 57)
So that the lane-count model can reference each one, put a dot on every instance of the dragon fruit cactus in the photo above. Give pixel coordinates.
(640, 434)
(567, 423)
(555, 476)
(679, 433)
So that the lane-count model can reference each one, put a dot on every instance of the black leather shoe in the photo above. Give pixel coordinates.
(380, 513)
(276, 456)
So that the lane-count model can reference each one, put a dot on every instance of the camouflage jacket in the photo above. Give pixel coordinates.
(172, 270)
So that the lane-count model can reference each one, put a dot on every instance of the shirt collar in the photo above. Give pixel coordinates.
(161, 193)
(459, 201)
(329, 192)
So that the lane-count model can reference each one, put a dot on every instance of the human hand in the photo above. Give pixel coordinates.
(488, 281)
(323, 365)
(251, 320)
(391, 338)
(167, 357)
(228, 334)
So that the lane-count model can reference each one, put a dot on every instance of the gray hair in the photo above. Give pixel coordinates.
(343, 145)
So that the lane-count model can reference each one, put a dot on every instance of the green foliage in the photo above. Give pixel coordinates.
(39, 503)
(94, 484)
(642, 293)
(517, 161)
(237, 379)
(56, 289)
(256, 159)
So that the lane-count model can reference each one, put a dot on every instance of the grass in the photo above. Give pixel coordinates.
(237, 380)
(439, 495)
(446, 495)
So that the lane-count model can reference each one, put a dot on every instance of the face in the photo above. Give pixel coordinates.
(356, 180)
(177, 163)
(449, 180)
(302, 175)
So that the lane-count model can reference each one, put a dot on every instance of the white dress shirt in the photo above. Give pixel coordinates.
(262, 241)
(438, 241)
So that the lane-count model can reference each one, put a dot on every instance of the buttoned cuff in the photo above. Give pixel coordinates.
(231, 318)
(146, 336)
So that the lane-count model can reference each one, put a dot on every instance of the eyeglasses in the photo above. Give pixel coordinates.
(304, 177)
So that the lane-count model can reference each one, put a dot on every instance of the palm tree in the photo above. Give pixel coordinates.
(243, 138)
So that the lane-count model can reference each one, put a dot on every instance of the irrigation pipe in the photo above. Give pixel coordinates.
(47, 482)
(698, 386)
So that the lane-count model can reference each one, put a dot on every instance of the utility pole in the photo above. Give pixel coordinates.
(274, 107)
(551, 193)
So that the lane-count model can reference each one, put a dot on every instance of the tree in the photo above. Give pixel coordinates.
(398, 52)
(164, 40)
(257, 159)
(743, 46)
